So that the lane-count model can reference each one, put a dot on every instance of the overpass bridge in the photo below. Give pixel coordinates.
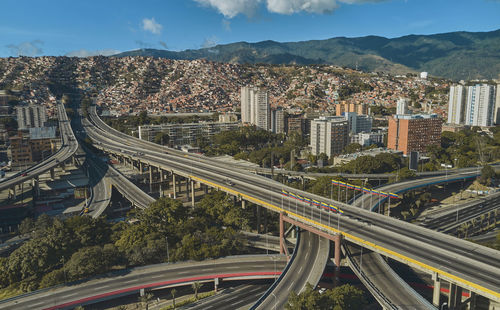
(470, 266)
(68, 148)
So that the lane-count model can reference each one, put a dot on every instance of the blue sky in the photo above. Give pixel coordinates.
(87, 27)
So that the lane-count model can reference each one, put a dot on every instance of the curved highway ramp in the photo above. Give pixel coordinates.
(164, 275)
(308, 267)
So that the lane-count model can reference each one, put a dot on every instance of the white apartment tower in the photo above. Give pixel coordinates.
(329, 135)
(402, 106)
(480, 105)
(31, 116)
(255, 107)
(456, 105)
(496, 113)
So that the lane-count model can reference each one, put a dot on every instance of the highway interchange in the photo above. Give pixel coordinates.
(471, 266)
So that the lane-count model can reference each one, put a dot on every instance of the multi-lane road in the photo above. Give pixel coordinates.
(471, 266)
(165, 275)
(68, 148)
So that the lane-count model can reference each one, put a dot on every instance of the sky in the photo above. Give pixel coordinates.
(105, 27)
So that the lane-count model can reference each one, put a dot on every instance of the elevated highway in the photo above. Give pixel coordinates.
(165, 275)
(68, 148)
(468, 265)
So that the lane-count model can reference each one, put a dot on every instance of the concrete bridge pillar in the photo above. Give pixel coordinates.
(52, 174)
(73, 160)
(455, 297)
(437, 290)
(36, 186)
(258, 218)
(174, 185)
(282, 234)
(13, 190)
(192, 193)
(150, 178)
(141, 167)
(243, 204)
(337, 258)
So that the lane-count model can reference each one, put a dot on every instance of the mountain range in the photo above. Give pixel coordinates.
(454, 55)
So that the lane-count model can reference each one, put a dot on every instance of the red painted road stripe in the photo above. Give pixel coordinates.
(136, 288)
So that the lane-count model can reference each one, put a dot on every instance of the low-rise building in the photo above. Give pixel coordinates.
(185, 134)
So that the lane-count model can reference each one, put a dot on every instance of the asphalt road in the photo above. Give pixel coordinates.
(238, 267)
(308, 266)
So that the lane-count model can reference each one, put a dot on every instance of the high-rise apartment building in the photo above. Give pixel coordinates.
(255, 107)
(402, 106)
(456, 105)
(295, 122)
(329, 135)
(31, 116)
(278, 120)
(496, 112)
(358, 123)
(409, 133)
(246, 104)
(480, 105)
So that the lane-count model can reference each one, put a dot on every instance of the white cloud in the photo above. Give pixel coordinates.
(295, 6)
(209, 42)
(231, 8)
(87, 53)
(28, 48)
(151, 25)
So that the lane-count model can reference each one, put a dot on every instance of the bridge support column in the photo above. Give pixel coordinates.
(216, 284)
(258, 219)
(337, 258)
(436, 294)
(73, 160)
(36, 186)
(52, 174)
(243, 204)
(455, 297)
(192, 193)
(141, 167)
(282, 234)
(150, 179)
(174, 185)
(13, 190)
(161, 182)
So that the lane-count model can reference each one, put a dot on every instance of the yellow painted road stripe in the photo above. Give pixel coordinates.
(444, 273)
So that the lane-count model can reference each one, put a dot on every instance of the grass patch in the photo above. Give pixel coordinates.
(9, 292)
(189, 300)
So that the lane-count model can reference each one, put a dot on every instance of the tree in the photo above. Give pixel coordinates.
(339, 298)
(196, 286)
(352, 148)
(161, 138)
(487, 174)
(145, 299)
(26, 226)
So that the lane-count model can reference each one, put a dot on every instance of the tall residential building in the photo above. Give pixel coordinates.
(31, 116)
(246, 104)
(456, 105)
(496, 113)
(255, 107)
(329, 135)
(295, 122)
(480, 105)
(402, 106)
(278, 121)
(358, 123)
(409, 133)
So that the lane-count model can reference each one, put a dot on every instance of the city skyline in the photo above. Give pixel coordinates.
(90, 28)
